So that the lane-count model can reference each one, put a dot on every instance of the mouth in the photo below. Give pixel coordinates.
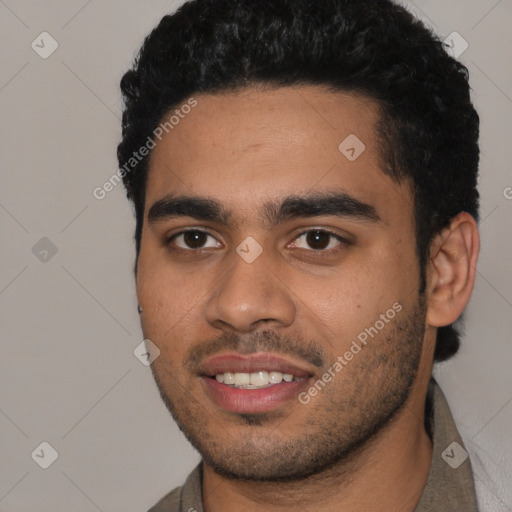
(254, 380)
(255, 383)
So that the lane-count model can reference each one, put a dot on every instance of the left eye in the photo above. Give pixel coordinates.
(194, 239)
(318, 240)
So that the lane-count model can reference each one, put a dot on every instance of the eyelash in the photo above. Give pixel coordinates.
(343, 241)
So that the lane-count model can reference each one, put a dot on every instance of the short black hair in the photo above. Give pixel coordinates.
(428, 128)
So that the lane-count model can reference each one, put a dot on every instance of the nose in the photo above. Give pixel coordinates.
(250, 295)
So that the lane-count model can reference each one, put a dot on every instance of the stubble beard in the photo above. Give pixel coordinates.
(343, 419)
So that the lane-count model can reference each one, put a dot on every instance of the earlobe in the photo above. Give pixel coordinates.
(451, 270)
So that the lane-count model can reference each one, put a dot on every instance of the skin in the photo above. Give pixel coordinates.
(244, 149)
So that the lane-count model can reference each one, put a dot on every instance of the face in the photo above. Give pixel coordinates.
(278, 277)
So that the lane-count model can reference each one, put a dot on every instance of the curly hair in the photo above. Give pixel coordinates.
(428, 127)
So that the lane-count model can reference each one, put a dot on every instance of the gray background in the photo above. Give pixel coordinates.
(69, 322)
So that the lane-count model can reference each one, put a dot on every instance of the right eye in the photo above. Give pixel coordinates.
(193, 239)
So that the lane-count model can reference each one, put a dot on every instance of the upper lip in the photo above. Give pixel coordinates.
(249, 363)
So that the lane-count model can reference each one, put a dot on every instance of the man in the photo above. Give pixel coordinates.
(304, 181)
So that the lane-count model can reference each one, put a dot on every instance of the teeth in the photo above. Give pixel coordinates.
(253, 380)
(242, 379)
(275, 377)
(259, 378)
(229, 378)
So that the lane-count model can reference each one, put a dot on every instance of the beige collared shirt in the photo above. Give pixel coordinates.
(450, 486)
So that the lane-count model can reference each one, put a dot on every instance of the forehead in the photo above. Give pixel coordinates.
(246, 147)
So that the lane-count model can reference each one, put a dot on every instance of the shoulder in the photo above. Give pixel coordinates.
(171, 502)
(187, 498)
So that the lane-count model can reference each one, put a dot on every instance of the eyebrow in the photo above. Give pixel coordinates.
(274, 212)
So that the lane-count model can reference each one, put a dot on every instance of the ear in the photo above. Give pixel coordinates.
(451, 270)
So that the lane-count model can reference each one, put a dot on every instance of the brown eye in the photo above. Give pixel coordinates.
(319, 240)
(194, 239)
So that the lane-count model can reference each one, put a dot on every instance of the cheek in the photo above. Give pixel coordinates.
(167, 296)
(354, 297)
(328, 308)
(169, 318)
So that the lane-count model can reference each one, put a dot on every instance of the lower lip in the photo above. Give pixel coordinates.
(251, 401)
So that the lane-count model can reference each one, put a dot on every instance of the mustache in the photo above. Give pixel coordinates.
(261, 341)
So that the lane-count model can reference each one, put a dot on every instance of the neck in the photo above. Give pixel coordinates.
(389, 472)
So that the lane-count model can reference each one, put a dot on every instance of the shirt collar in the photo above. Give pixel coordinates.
(450, 484)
